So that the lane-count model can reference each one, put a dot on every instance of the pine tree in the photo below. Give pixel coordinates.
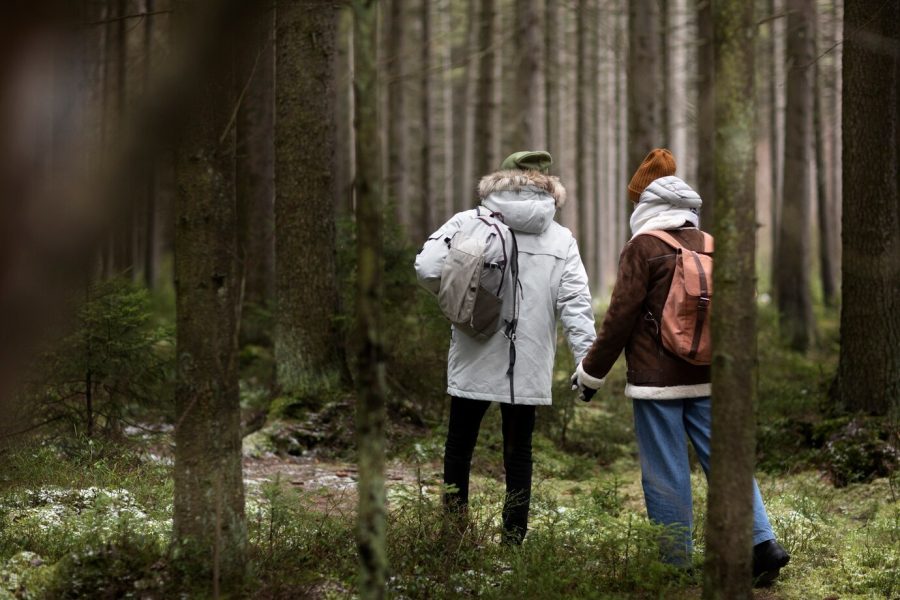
(729, 516)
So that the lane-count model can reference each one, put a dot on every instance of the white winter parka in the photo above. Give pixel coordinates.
(554, 286)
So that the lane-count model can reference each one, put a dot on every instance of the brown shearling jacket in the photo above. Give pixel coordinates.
(646, 268)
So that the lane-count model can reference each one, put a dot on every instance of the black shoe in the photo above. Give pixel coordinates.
(768, 559)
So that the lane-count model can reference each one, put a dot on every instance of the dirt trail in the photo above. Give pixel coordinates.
(329, 479)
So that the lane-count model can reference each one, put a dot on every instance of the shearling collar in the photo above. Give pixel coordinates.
(515, 181)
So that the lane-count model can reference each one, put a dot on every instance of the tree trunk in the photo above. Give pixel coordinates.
(151, 224)
(869, 369)
(445, 121)
(776, 123)
(793, 281)
(209, 527)
(344, 143)
(428, 198)
(255, 160)
(729, 518)
(825, 212)
(582, 132)
(645, 87)
(552, 82)
(371, 377)
(528, 116)
(395, 59)
(485, 129)
(465, 183)
(307, 346)
(706, 118)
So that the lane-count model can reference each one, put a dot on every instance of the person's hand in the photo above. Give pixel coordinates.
(585, 384)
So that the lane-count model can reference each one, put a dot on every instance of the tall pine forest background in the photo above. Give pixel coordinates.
(219, 378)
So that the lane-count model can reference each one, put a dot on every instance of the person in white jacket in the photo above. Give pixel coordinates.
(554, 286)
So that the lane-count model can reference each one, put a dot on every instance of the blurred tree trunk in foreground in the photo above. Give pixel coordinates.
(209, 527)
(730, 512)
(869, 371)
(306, 344)
(793, 292)
(371, 414)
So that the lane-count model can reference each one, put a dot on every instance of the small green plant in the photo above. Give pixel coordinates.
(114, 365)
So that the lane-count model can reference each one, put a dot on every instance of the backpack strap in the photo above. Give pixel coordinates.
(666, 237)
(671, 240)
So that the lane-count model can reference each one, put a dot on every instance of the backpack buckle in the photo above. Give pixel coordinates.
(703, 303)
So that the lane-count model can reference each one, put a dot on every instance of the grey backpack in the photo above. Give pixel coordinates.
(480, 277)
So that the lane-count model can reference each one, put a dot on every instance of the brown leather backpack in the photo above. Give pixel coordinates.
(684, 326)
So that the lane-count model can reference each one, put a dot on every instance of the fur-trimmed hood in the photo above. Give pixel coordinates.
(520, 181)
(527, 199)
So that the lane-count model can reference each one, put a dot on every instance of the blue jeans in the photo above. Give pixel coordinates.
(663, 428)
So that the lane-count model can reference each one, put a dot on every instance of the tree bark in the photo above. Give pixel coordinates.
(465, 182)
(485, 128)
(645, 87)
(825, 212)
(729, 517)
(793, 294)
(307, 346)
(398, 180)
(869, 367)
(344, 144)
(371, 376)
(255, 160)
(528, 102)
(151, 226)
(706, 118)
(209, 525)
(552, 82)
(445, 121)
(429, 197)
(582, 133)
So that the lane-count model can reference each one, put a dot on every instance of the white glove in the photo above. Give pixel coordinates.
(586, 385)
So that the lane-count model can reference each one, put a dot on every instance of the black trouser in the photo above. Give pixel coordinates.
(462, 433)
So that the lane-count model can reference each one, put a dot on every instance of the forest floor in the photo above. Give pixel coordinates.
(94, 522)
(91, 518)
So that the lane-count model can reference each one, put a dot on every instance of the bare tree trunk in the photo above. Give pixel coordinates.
(582, 132)
(209, 527)
(706, 118)
(645, 89)
(428, 197)
(776, 123)
(465, 183)
(528, 102)
(869, 369)
(445, 121)
(793, 284)
(344, 143)
(307, 347)
(730, 511)
(485, 129)
(825, 212)
(371, 376)
(553, 82)
(395, 59)
(255, 168)
(151, 231)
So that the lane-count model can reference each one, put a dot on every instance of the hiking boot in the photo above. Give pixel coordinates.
(768, 559)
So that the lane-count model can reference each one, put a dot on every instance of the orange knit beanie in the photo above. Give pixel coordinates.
(659, 163)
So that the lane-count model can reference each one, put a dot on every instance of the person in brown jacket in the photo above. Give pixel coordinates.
(671, 397)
